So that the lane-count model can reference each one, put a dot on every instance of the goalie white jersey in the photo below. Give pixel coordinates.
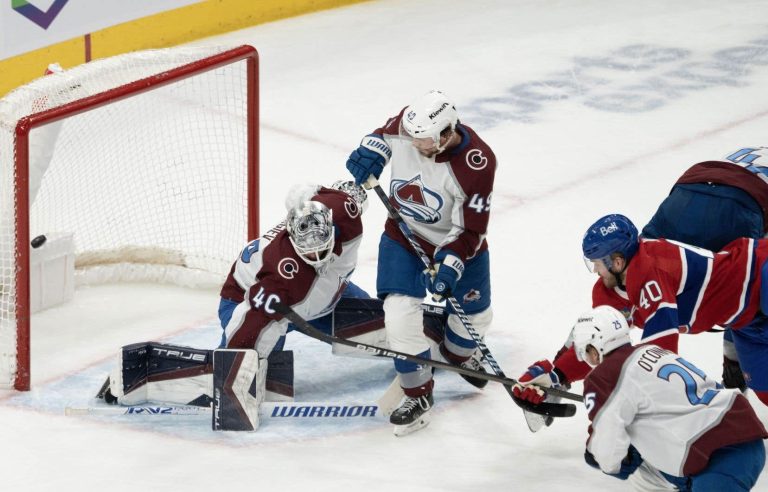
(667, 408)
(269, 270)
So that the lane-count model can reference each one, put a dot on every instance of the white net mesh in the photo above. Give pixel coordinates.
(153, 186)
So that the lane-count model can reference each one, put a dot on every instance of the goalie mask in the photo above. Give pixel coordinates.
(357, 193)
(310, 229)
(604, 328)
(429, 116)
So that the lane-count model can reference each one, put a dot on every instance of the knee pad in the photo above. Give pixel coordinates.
(480, 322)
(458, 342)
(403, 320)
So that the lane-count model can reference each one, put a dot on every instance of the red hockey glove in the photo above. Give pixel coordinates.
(540, 374)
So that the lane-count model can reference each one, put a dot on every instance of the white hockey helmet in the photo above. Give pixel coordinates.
(357, 192)
(429, 115)
(310, 229)
(604, 328)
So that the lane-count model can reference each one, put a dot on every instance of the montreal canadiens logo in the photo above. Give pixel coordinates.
(288, 268)
(416, 201)
(476, 160)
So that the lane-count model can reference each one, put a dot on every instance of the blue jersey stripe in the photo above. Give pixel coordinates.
(664, 319)
(750, 281)
(697, 268)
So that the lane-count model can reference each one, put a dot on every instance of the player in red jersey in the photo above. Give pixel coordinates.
(710, 205)
(677, 288)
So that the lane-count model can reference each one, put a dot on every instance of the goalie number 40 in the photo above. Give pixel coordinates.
(259, 300)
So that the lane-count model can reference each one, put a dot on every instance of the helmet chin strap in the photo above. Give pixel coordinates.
(617, 276)
(441, 148)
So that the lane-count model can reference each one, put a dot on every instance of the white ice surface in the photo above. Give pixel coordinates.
(591, 107)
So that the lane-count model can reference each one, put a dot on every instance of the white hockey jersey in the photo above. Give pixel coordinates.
(665, 407)
(445, 199)
(269, 270)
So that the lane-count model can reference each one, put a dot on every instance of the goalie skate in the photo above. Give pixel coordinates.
(412, 415)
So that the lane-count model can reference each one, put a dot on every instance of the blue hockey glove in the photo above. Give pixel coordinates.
(539, 374)
(369, 159)
(629, 464)
(449, 269)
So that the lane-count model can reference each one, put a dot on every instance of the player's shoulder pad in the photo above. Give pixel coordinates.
(475, 163)
(281, 264)
(604, 379)
(347, 216)
(392, 126)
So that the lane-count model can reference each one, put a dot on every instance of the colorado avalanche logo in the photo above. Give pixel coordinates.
(288, 268)
(472, 296)
(351, 207)
(476, 160)
(416, 201)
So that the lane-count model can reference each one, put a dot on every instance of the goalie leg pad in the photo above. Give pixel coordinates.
(279, 385)
(362, 320)
(239, 378)
(155, 372)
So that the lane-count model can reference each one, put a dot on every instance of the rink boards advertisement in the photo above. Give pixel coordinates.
(31, 24)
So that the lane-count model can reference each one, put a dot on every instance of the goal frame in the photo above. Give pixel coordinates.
(21, 162)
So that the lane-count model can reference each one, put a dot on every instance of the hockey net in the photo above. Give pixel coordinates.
(149, 160)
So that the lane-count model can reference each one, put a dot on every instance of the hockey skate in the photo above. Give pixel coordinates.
(476, 364)
(412, 414)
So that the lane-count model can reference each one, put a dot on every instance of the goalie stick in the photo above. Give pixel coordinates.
(308, 409)
(546, 408)
(544, 416)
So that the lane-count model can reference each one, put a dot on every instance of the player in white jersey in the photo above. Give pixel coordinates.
(648, 404)
(441, 181)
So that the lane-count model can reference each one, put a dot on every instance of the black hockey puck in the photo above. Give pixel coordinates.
(38, 241)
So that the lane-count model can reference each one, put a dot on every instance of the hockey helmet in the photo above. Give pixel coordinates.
(310, 229)
(613, 233)
(604, 327)
(429, 115)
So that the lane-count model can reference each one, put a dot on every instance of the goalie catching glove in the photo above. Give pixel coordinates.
(541, 374)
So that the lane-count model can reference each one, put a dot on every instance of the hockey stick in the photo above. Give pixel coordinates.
(548, 409)
(268, 409)
(545, 408)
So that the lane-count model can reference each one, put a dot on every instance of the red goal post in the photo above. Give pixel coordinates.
(149, 160)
